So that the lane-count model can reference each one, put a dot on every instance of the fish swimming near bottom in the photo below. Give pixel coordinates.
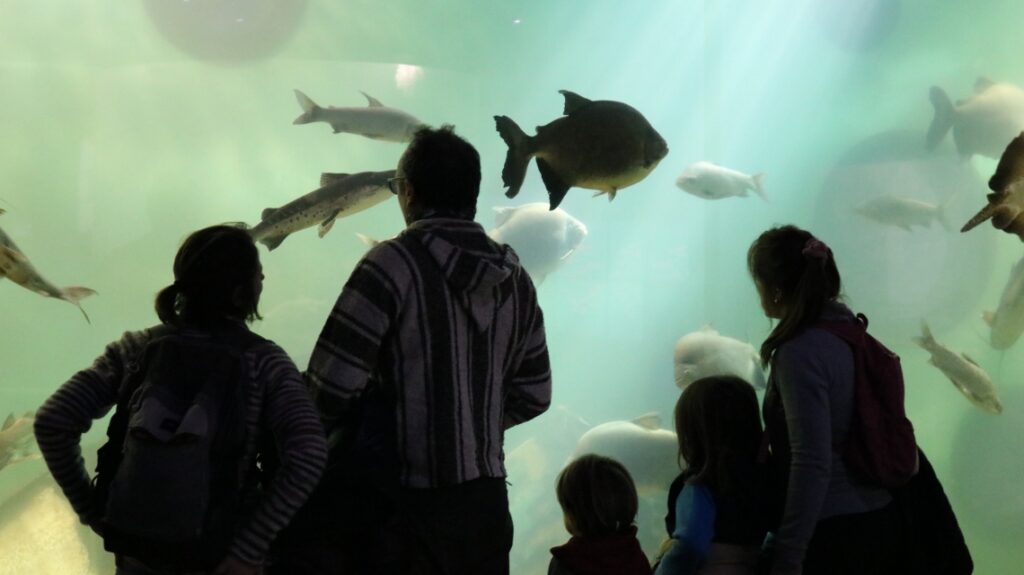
(964, 372)
(904, 213)
(1007, 322)
(15, 266)
(648, 452)
(17, 440)
(338, 196)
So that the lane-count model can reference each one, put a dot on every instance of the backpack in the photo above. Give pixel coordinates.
(881, 448)
(171, 482)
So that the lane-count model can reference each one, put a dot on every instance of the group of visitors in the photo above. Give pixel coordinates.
(385, 456)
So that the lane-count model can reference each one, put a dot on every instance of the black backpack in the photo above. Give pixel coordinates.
(171, 481)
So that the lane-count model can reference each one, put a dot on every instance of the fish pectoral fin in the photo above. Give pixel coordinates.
(611, 193)
(268, 213)
(8, 422)
(982, 84)
(273, 242)
(573, 102)
(650, 420)
(13, 255)
(969, 360)
(327, 224)
(556, 186)
(371, 101)
(328, 178)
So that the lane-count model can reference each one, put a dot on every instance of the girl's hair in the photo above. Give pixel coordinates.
(718, 426)
(796, 267)
(597, 495)
(215, 275)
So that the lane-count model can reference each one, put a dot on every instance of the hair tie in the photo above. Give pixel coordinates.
(816, 249)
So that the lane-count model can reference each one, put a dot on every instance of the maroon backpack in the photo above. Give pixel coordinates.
(881, 448)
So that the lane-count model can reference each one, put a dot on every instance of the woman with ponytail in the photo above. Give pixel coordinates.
(831, 523)
(251, 402)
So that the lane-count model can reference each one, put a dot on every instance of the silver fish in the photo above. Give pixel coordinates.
(712, 182)
(339, 195)
(705, 352)
(648, 452)
(543, 239)
(964, 372)
(15, 266)
(598, 145)
(984, 123)
(904, 213)
(17, 441)
(376, 121)
(1007, 322)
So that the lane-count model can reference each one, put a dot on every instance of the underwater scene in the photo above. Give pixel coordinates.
(874, 124)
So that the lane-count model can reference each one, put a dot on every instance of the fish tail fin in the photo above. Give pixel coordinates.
(943, 119)
(758, 181)
(925, 340)
(519, 154)
(309, 109)
(74, 295)
(273, 242)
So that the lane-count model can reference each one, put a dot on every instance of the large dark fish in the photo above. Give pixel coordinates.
(16, 267)
(1006, 202)
(339, 195)
(598, 145)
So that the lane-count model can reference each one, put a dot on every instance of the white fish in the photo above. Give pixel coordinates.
(17, 440)
(339, 195)
(904, 213)
(649, 453)
(964, 372)
(15, 266)
(705, 353)
(711, 182)
(1007, 322)
(376, 121)
(982, 124)
(543, 239)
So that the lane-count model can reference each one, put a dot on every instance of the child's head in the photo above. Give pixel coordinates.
(718, 426)
(597, 496)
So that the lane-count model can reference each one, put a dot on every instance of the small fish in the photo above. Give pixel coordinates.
(1007, 322)
(1006, 202)
(711, 182)
(904, 213)
(16, 267)
(376, 121)
(597, 145)
(983, 123)
(648, 452)
(17, 440)
(964, 372)
(705, 353)
(339, 195)
(543, 239)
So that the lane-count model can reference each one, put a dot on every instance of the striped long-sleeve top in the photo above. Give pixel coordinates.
(437, 334)
(277, 403)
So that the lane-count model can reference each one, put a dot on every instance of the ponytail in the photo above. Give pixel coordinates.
(167, 304)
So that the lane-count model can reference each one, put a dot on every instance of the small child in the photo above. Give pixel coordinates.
(599, 503)
(717, 517)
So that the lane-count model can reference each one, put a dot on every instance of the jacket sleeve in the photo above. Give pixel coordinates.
(804, 387)
(347, 349)
(693, 532)
(69, 413)
(298, 437)
(528, 392)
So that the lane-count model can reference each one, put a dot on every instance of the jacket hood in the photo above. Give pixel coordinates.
(473, 264)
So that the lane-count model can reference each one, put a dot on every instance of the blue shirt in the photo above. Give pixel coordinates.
(693, 532)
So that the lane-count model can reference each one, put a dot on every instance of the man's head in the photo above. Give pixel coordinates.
(439, 173)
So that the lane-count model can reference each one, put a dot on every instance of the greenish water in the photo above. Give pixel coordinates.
(125, 126)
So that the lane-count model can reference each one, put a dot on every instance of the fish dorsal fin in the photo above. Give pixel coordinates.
(709, 328)
(268, 213)
(982, 84)
(328, 178)
(970, 360)
(30, 415)
(8, 422)
(502, 214)
(573, 102)
(371, 101)
(650, 420)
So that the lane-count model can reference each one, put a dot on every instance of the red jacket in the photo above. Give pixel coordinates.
(618, 554)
